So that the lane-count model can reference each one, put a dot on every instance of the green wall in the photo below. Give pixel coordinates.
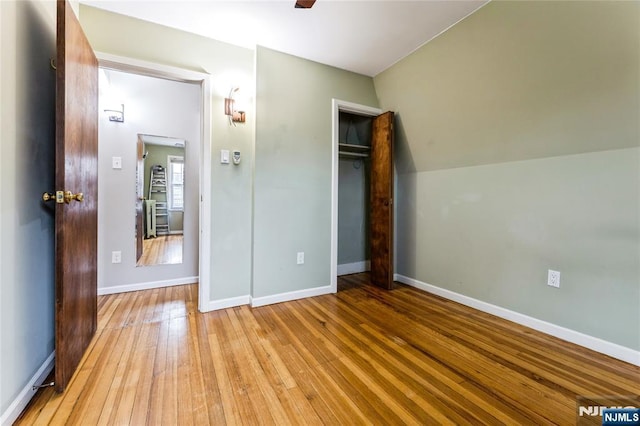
(517, 151)
(292, 198)
(230, 251)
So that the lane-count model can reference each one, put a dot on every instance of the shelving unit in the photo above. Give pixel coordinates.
(158, 192)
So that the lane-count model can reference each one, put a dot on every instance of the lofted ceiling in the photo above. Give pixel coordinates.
(363, 36)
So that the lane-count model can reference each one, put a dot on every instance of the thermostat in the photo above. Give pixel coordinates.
(236, 157)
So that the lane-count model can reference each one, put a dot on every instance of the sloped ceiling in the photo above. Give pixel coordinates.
(362, 36)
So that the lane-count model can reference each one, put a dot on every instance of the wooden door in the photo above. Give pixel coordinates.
(76, 171)
(139, 198)
(381, 201)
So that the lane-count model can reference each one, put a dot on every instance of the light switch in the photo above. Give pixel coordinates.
(224, 156)
(116, 162)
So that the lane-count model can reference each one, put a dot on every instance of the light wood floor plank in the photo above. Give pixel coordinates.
(242, 389)
(227, 403)
(405, 379)
(327, 397)
(278, 384)
(361, 356)
(143, 363)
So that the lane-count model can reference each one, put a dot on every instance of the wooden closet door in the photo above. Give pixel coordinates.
(381, 201)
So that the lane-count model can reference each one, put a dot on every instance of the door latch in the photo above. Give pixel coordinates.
(63, 197)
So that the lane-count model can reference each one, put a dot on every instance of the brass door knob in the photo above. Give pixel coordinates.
(63, 197)
(69, 196)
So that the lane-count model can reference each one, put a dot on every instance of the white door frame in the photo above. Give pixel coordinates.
(336, 107)
(135, 66)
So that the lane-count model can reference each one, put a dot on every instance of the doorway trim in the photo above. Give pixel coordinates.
(338, 106)
(151, 69)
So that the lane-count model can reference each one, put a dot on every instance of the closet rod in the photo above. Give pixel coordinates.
(352, 154)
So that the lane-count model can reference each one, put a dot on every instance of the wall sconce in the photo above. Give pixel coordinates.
(116, 115)
(230, 109)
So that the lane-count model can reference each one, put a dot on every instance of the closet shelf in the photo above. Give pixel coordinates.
(348, 146)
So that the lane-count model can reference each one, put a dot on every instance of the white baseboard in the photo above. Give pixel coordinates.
(354, 268)
(23, 398)
(266, 300)
(227, 303)
(145, 286)
(612, 349)
(292, 295)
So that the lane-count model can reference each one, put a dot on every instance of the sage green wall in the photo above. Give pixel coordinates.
(27, 161)
(157, 154)
(292, 189)
(517, 147)
(230, 251)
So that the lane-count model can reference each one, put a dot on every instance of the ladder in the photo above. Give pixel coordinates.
(158, 192)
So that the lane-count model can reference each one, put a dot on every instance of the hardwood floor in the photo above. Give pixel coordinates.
(162, 250)
(363, 356)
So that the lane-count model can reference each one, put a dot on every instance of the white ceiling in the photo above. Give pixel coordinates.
(364, 36)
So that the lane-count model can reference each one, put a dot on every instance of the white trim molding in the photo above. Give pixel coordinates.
(146, 285)
(231, 302)
(255, 302)
(354, 268)
(22, 400)
(594, 343)
(291, 295)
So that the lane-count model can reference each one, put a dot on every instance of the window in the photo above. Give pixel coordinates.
(176, 182)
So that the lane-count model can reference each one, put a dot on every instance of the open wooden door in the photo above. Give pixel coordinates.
(381, 201)
(139, 198)
(76, 215)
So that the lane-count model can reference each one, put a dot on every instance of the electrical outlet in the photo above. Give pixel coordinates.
(116, 163)
(116, 257)
(300, 259)
(553, 279)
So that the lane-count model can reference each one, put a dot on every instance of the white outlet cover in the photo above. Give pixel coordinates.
(116, 162)
(553, 278)
(116, 257)
(300, 258)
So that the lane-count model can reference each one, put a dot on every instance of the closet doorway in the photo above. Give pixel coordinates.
(362, 195)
